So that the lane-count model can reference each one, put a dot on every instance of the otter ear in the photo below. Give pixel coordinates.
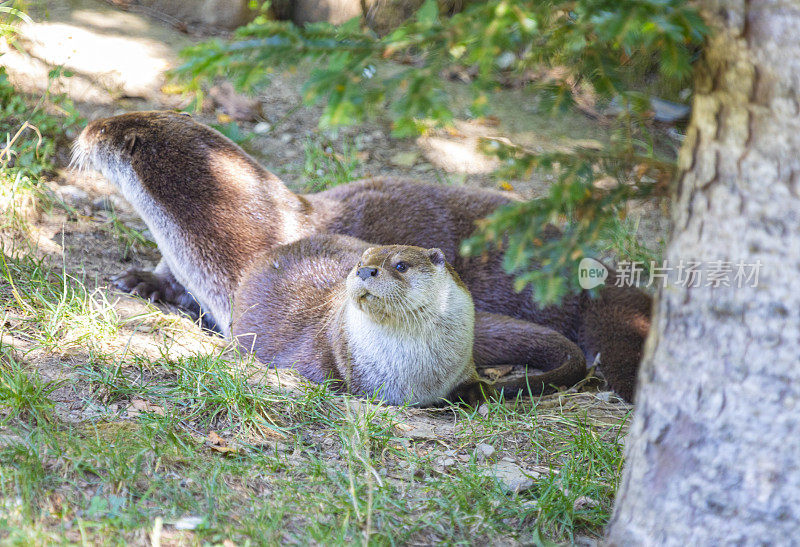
(436, 256)
(131, 141)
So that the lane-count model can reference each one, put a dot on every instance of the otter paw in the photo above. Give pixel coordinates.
(147, 285)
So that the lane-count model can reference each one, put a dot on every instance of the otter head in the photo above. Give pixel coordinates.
(399, 283)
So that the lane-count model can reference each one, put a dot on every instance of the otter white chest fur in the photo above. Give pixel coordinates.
(407, 325)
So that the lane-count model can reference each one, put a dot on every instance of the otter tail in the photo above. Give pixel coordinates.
(615, 325)
(501, 340)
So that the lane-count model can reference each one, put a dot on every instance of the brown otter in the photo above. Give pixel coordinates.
(392, 322)
(212, 208)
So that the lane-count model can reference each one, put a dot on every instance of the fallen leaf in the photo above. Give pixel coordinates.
(219, 444)
(498, 372)
(505, 185)
(139, 406)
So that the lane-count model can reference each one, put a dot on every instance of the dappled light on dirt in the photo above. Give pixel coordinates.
(110, 52)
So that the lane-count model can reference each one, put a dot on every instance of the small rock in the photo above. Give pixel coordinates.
(483, 410)
(584, 502)
(262, 128)
(512, 477)
(187, 523)
(405, 159)
(418, 431)
(286, 138)
(484, 451)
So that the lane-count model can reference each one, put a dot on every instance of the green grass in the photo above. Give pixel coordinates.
(305, 465)
(23, 393)
(324, 167)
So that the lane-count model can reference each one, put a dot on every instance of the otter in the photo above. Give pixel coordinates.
(212, 208)
(392, 322)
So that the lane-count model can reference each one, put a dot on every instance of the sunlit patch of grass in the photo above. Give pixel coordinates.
(335, 472)
(577, 439)
(52, 307)
(325, 167)
(24, 395)
(581, 494)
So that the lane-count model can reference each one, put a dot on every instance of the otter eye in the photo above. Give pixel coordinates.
(401, 266)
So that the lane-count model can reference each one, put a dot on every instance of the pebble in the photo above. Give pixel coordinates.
(512, 477)
(484, 451)
(262, 128)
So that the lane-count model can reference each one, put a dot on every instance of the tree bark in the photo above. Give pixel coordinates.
(714, 448)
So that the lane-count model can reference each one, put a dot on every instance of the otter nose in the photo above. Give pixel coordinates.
(364, 273)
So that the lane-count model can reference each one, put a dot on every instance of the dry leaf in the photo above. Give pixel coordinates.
(505, 185)
(139, 406)
(219, 444)
(498, 372)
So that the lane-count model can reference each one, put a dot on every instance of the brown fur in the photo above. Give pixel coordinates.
(233, 209)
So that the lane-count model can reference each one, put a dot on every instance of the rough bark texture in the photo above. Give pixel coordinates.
(713, 452)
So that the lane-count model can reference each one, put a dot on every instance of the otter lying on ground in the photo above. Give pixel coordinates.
(211, 208)
(398, 326)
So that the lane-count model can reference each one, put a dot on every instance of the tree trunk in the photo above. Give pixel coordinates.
(714, 449)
